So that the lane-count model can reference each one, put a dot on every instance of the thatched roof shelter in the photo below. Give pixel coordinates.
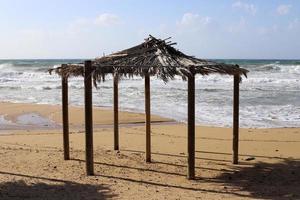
(154, 57)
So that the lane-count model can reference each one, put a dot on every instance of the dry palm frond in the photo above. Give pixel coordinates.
(155, 57)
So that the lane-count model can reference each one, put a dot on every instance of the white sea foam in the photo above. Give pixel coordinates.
(270, 97)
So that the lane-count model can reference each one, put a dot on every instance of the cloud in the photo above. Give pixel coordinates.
(294, 24)
(283, 9)
(191, 22)
(81, 38)
(193, 25)
(249, 8)
(87, 24)
(107, 19)
(189, 19)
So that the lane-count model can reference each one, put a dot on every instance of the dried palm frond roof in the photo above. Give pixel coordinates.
(154, 57)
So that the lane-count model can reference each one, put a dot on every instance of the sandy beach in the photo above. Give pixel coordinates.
(134, 100)
(32, 165)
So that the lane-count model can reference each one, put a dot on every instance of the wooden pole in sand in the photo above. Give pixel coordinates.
(235, 143)
(116, 113)
(148, 118)
(65, 117)
(88, 118)
(191, 126)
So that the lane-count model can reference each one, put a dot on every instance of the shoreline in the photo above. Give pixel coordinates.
(18, 116)
(36, 108)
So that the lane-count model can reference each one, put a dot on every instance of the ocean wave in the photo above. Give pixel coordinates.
(25, 67)
(268, 67)
(51, 87)
(10, 87)
(291, 69)
(5, 66)
(269, 96)
(275, 67)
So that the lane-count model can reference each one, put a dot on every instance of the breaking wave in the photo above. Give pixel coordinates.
(270, 96)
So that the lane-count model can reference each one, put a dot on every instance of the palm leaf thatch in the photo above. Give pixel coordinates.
(155, 57)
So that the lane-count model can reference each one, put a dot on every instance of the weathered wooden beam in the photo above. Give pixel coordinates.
(191, 126)
(65, 117)
(116, 113)
(88, 118)
(148, 118)
(235, 142)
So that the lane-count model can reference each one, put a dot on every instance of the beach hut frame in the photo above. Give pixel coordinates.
(153, 57)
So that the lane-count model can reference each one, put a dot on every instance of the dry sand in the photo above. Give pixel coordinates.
(32, 165)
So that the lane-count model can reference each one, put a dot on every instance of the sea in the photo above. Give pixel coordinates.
(269, 96)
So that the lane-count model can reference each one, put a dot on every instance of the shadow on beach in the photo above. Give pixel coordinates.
(266, 180)
(54, 189)
(279, 179)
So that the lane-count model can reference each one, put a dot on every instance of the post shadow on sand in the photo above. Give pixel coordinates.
(261, 181)
(222, 161)
(53, 189)
(266, 180)
(279, 180)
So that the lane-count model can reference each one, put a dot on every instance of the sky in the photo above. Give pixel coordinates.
(224, 29)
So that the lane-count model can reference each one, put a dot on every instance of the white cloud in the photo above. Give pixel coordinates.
(283, 9)
(189, 19)
(81, 38)
(249, 8)
(294, 24)
(107, 19)
(89, 24)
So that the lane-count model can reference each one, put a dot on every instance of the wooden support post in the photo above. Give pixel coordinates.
(116, 114)
(235, 142)
(191, 126)
(65, 117)
(88, 118)
(148, 118)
